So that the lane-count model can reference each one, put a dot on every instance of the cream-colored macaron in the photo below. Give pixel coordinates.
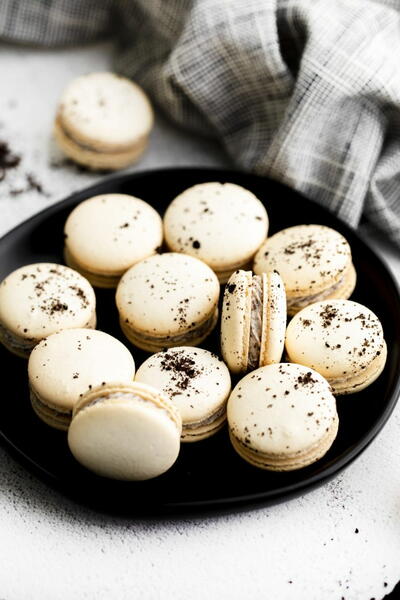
(282, 417)
(40, 299)
(253, 320)
(342, 340)
(223, 224)
(103, 121)
(106, 235)
(168, 300)
(198, 383)
(314, 262)
(65, 365)
(125, 431)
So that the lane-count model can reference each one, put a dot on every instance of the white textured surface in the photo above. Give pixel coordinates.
(52, 549)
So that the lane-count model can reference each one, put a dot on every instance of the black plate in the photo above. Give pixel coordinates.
(208, 475)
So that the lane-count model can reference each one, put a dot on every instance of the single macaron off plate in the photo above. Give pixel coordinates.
(282, 417)
(107, 234)
(197, 381)
(253, 320)
(40, 299)
(125, 431)
(103, 121)
(222, 224)
(168, 300)
(65, 365)
(342, 340)
(314, 262)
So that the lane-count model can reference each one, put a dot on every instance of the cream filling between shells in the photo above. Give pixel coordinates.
(90, 148)
(127, 397)
(303, 301)
(206, 421)
(175, 339)
(15, 341)
(255, 322)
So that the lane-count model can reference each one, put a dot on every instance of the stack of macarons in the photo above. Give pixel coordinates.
(129, 424)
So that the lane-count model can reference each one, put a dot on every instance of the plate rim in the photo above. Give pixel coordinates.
(224, 504)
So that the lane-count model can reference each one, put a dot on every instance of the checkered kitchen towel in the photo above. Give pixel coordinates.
(306, 91)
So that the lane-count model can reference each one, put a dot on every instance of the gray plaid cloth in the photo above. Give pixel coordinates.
(305, 91)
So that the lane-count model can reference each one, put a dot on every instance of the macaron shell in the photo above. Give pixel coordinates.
(196, 380)
(66, 365)
(274, 318)
(40, 299)
(105, 111)
(124, 440)
(225, 274)
(235, 321)
(362, 380)
(280, 410)
(223, 224)
(167, 294)
(97, 280)
(109, 233)
(309, 258)
(337, 338)
(289, 462)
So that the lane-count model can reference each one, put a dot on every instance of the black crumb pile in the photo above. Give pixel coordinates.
(183, 367)
(8, 160)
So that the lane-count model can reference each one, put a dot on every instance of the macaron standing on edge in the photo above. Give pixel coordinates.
(106, 235)
(40, 299)
(222, 224)
(314, 262)
(103, 121)
(282, 417)
(341, 339)
(253, 320)
(126, 431)
(168, 300)
(198, 383)
(65, 365)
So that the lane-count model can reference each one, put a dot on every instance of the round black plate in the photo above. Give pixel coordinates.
(208, 475)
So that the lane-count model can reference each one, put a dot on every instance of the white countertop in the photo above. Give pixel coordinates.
(340, 541)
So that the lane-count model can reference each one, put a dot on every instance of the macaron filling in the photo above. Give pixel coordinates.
(257, 298)
(15, 342)
(179, 339)
(125, 397)
(206, 421)
(303, 301)
(88, 147)
(64, 412)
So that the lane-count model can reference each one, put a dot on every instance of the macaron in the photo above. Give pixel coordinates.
(103, 121)
(40, 299)
(107, 234)
(168, 300)
(342, 340)
(197, 381)
(282, 417)
(314, 262)
(126, 431)
(67, 364)
(253, 320)
(223, 224)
